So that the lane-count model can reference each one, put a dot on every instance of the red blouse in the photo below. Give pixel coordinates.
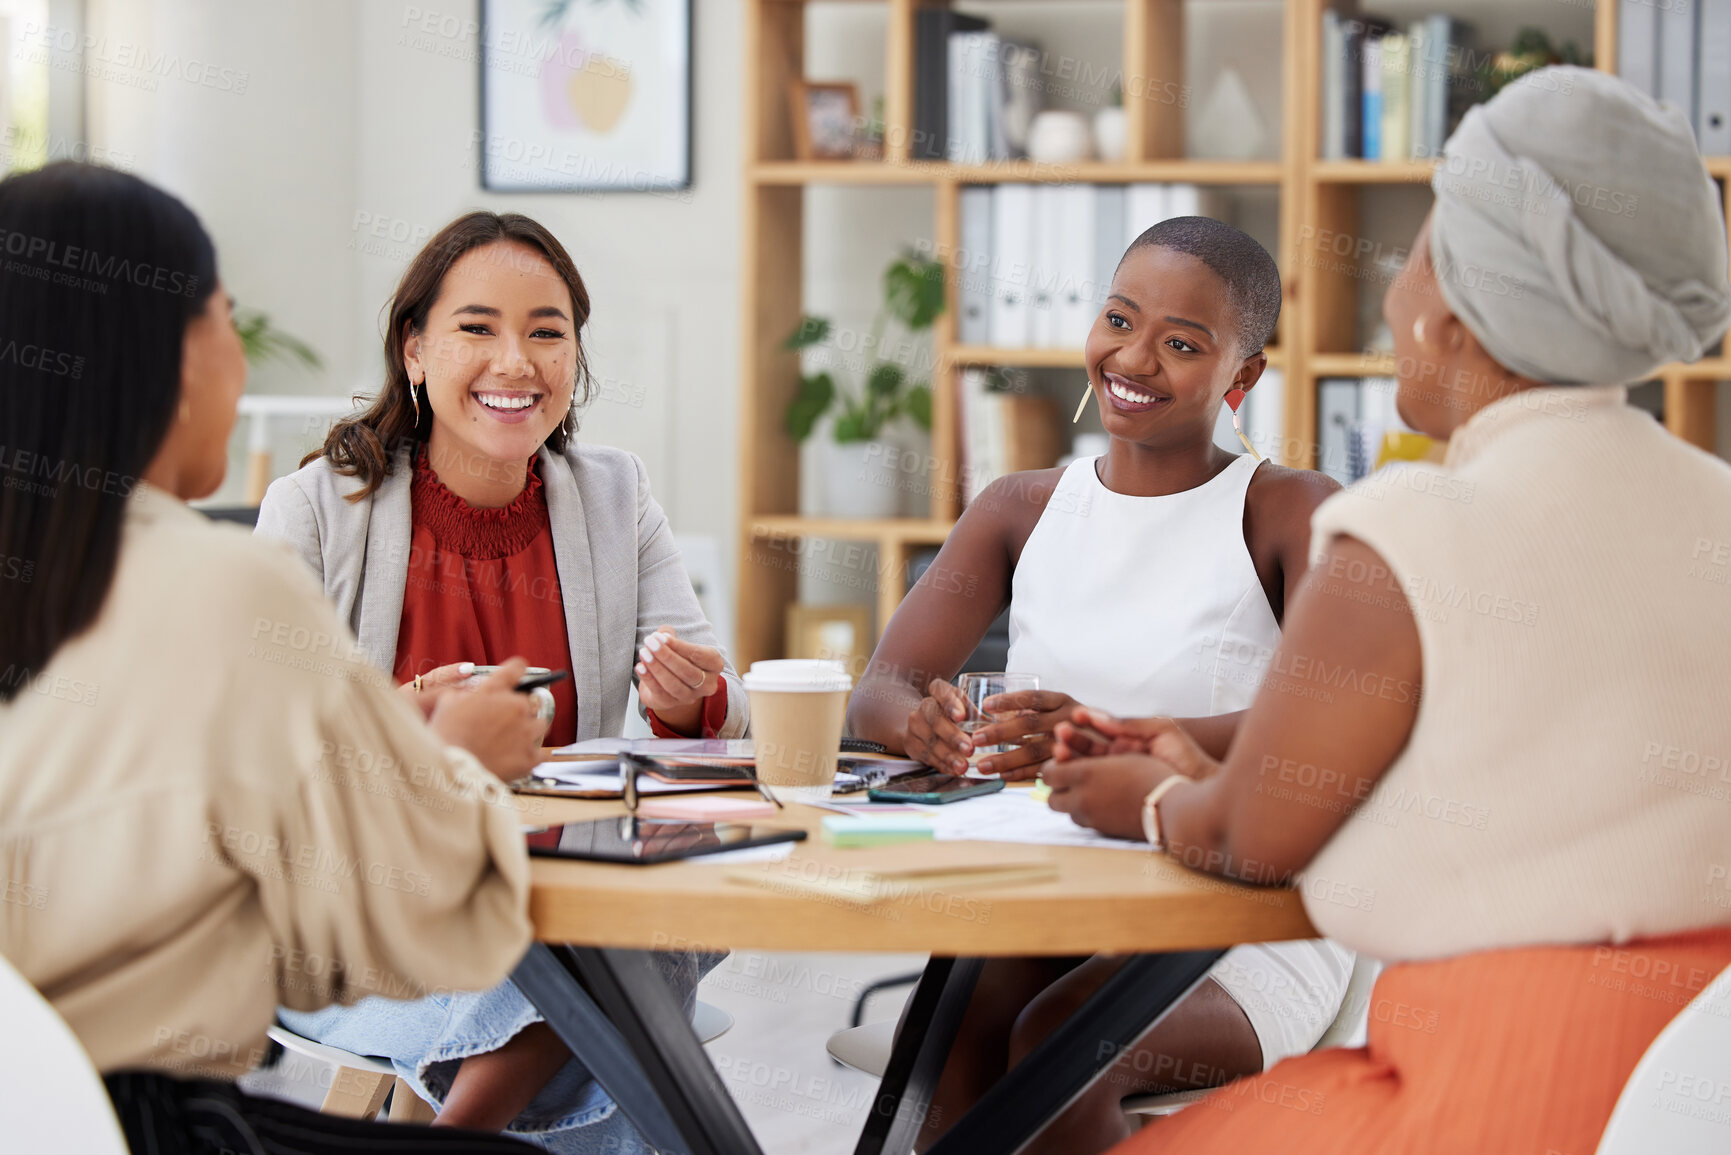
(483, 586)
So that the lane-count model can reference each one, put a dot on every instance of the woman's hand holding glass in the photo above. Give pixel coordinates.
(934, 731)
(1024, 720)
(947, 729)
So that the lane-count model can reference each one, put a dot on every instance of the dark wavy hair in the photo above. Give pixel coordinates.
(100, 274)
(365, 445)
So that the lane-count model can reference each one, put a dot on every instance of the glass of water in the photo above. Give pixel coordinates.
(976, 688)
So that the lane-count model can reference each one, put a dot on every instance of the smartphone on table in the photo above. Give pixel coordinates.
(934, 788)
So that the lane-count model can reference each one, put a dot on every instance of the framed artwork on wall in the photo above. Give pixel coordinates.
(585, 95)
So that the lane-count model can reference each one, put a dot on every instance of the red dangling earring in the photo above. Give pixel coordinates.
(1235, 398)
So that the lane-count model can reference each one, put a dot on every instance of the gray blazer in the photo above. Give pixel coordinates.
(620, 575)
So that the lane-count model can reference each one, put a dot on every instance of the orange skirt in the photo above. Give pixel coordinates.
(1516, 1052)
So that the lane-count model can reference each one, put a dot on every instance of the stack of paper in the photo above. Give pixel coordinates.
(601, 779)
(1016, 816)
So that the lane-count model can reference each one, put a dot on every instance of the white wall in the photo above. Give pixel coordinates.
(348, 122)
(248, 113)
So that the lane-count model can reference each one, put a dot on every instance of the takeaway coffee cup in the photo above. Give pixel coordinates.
(797, 705)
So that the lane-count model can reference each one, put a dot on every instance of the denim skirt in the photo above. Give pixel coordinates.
(426, 1039)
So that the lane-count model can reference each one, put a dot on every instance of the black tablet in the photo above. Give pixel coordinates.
(645, 841)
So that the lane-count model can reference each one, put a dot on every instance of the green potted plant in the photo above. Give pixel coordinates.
(859, 462)
(264, 342)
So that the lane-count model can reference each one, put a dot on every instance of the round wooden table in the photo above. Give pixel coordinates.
(599, 990)
(1102, 900)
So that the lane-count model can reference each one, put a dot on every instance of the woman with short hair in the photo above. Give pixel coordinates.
(1531, 632)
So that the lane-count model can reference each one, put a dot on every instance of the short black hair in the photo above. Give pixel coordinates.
(1252, 278)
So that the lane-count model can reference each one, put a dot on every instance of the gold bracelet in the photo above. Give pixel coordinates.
(1151, 814)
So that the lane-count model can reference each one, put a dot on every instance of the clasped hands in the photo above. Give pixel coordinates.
(1102, 767)
(1099, 767)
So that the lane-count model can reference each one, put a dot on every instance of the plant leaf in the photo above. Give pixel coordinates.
(885, 379)
(810, 331)
(914, 290)
(262, 341)
(917, 403)
(852, 425)
(814, 396)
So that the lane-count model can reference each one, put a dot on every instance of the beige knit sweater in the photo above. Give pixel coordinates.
(1568, 779)
(211, 804)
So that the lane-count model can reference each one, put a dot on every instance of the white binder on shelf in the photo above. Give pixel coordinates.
(1078, 293)
(970, 71)
(1677, 58)
(1263, 414)
(1048, 265)
(1336, 426)
(1109, 239)
(974, 266)
(994, 97)
(1441, 32)
(1189, 200)
(1013, 258)
(1713, 82)
(1144, 207)
(1333, 92)
(1638, 44)
(982, 434)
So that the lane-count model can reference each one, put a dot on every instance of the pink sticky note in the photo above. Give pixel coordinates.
(705, 809)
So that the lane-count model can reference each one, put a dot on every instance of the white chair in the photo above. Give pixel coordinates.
(51, 1098)
(1347, 1030)
(360, 1085)
(867, 1048)
(1678, 1100)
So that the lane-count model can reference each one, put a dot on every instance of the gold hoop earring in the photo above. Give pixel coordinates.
(415, 400)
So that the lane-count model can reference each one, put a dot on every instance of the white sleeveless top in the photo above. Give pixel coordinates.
(1152, 605)
(1143, 605)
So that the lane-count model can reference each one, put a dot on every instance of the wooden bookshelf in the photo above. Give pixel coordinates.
(1317, 332)
(1372, 171)
(926, 172)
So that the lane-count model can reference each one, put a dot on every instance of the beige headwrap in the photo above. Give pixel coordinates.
(1576, 232)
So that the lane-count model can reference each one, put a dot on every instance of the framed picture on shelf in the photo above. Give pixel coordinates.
(839, 633)
(826, 120)
(585, 95)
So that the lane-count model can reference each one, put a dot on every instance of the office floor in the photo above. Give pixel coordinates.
(785, 1006)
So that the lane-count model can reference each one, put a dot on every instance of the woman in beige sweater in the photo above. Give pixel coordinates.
(1492, 745)
(211, 800)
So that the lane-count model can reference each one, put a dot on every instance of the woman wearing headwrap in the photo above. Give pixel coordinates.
(1510, 669)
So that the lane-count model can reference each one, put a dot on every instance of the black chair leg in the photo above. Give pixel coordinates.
(858, 1012)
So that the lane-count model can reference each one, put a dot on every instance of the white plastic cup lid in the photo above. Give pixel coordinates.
(797, 676)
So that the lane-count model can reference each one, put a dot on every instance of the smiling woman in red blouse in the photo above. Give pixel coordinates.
(457, 520)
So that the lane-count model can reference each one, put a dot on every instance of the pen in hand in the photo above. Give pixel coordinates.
(536, 681)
